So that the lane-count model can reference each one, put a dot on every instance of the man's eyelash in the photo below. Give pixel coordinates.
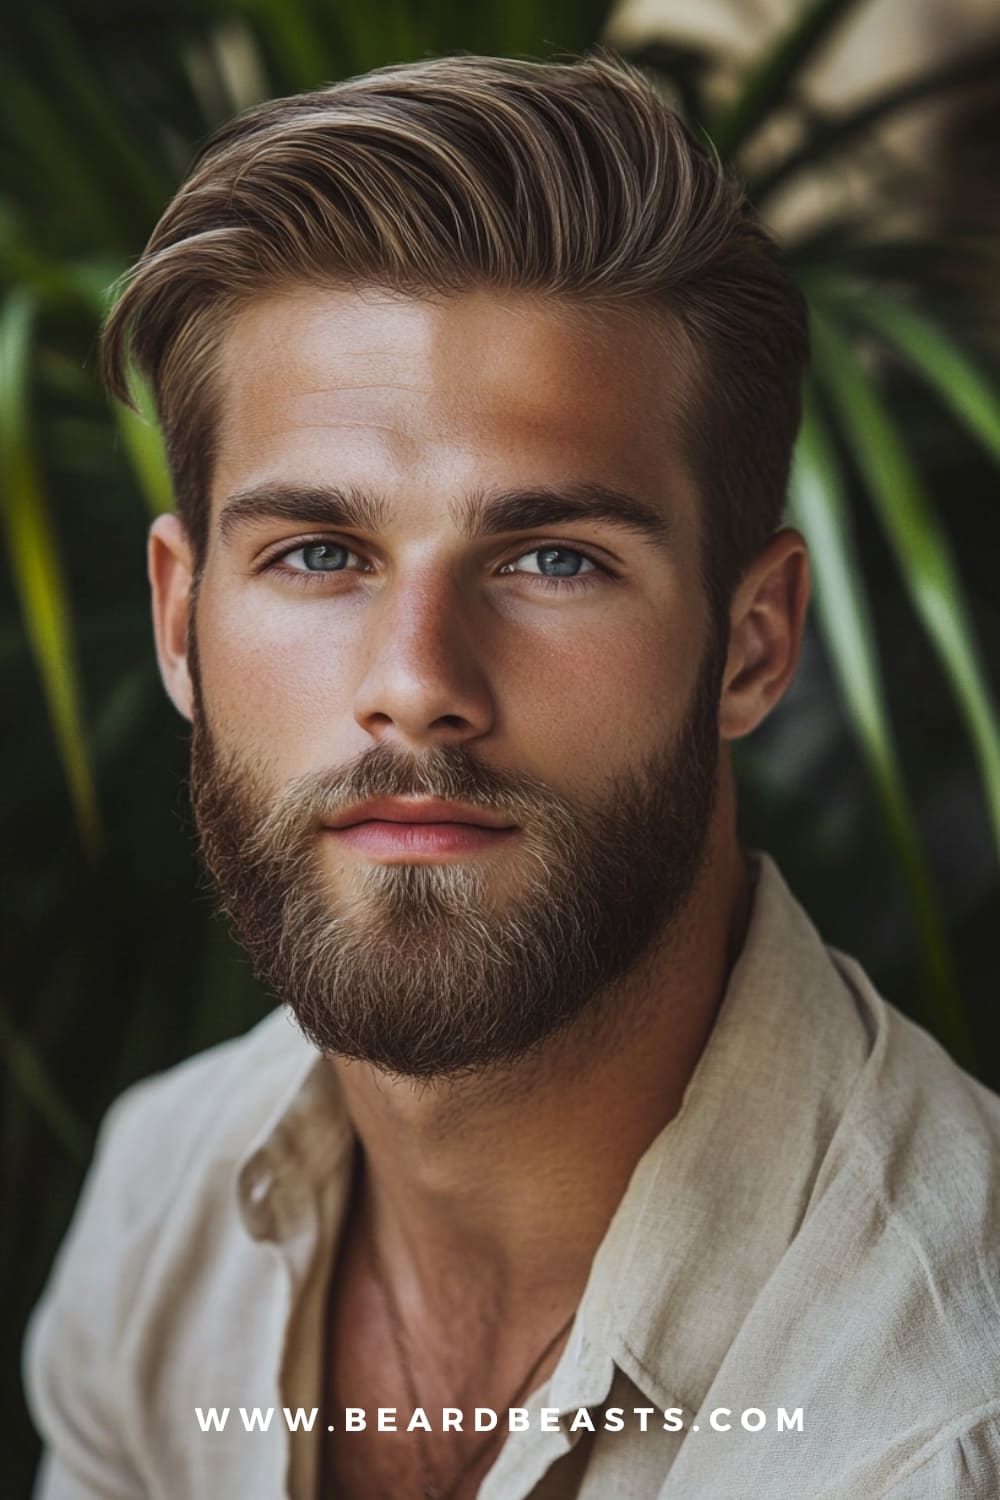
(308, 579)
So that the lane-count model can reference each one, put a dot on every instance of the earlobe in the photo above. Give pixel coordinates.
(767, 617)
(171, 574)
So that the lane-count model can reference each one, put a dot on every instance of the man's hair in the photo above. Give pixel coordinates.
(574, 180)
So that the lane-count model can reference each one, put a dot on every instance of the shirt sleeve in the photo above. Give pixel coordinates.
(70, 1377)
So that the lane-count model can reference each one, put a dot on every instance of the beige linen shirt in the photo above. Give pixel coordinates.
(817, 1230)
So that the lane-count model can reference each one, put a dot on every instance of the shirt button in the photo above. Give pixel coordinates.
(260, 1189)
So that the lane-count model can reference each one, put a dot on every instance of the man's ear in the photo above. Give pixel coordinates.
(171, 574)
(766, 619)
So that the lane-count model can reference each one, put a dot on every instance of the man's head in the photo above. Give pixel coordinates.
(574, 181)
(407, 335)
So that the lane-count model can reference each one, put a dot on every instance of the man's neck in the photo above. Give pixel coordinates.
(507, 1181)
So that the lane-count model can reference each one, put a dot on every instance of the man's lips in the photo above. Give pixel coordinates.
(408, 828)
(424, 810)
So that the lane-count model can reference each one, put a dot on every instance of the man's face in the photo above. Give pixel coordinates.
(415, 585)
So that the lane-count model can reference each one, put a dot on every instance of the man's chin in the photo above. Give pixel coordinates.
(415, 983)
(416, 895)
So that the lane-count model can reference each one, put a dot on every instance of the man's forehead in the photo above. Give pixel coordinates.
(483, 385)
(345, 335)
(416, 324)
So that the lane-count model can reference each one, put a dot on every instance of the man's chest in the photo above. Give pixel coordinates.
(386, 1404)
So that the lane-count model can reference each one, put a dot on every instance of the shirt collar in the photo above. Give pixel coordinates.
(303, 1143)
(718, 1196)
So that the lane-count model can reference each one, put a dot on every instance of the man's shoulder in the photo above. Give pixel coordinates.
(893, 1106)
(222, 1097)
(878, 1319)
(908, 1194)
(898, 1234)
(151, 1238)
(248, 1072)
(916, 1117)
(230, 1088)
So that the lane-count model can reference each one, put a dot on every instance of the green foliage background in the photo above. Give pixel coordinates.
(876, 784)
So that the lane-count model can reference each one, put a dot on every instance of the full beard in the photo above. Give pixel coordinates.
(419, 969)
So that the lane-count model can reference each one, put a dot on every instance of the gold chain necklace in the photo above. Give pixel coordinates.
(429, 1483)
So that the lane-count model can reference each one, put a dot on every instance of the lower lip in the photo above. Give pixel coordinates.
(385, 838)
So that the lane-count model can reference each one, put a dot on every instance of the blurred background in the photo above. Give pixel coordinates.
(868, 134)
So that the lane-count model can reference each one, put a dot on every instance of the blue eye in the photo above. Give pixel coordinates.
(554, 563)
(310, 562)
(558, 567)
(321, 557)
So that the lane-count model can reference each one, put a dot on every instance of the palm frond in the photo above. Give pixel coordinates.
(34, 558)
(952, 373)
(769, 81)
(918, 539)
(32, 1078)
(829, 133)
(819, 507)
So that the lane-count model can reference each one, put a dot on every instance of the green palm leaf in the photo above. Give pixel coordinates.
(137, 177)
(95, 282)
(820, 509)
(919, 541)
(829, 133)
(36, 1084)
(945, 367)
(299, 48)
(143, 441)
(35, 565)
(768, 83)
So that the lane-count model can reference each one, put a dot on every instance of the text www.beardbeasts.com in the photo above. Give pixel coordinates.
(515, 1419)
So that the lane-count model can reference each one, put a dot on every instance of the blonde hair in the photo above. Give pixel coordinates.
(571, 179)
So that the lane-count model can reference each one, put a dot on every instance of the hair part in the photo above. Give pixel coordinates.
(572, 180)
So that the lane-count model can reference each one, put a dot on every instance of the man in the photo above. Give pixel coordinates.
(587, 1170)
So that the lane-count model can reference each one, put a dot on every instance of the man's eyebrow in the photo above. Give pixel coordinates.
(483, 513)
(309, 505)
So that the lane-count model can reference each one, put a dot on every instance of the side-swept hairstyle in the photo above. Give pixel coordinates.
(573, 180)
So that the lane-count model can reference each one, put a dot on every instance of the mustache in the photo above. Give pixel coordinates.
(446, 772)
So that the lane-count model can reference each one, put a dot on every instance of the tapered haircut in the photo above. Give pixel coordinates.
(573, 180)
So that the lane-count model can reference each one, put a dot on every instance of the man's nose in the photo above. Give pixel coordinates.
(424, 680)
